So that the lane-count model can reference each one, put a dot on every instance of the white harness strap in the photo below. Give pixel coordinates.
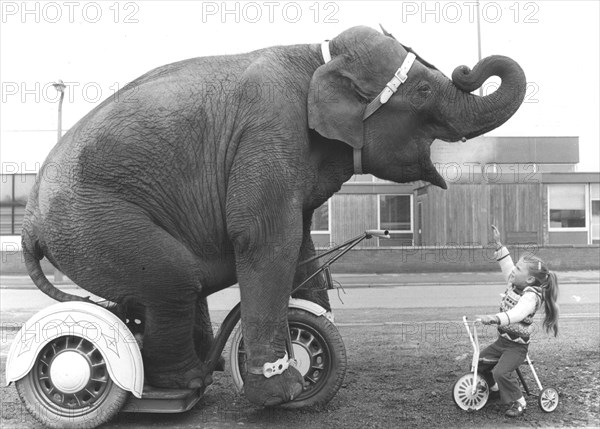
(392, 86)
(399, 78)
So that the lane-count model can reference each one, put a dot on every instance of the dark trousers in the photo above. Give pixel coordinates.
(508, 355)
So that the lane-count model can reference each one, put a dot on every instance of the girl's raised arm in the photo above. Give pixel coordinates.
(502, 255)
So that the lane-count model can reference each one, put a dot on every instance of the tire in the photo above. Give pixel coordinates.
(548, 399)
(61, 393)
(321, 355)
(464, 399)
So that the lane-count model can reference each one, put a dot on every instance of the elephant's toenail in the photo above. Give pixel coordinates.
(195, 383)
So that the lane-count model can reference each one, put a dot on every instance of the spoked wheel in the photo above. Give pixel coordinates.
(320, 354)
(463, 394)
(548, 399)
(69, 386)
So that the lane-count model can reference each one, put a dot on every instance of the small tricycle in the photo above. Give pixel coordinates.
(77, 364)
(471, 391)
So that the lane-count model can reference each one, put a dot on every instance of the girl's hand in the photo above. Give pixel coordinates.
(487, 320)
(496, 236)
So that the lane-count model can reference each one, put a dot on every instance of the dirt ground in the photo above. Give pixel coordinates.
(401, 374)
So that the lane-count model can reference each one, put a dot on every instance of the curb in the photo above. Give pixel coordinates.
(343, 285)
(338, 282)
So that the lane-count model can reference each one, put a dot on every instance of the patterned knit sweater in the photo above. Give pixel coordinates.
(517, 307)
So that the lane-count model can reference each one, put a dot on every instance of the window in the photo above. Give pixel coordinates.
(320, 220)
(595, 200)
(566, 206)
(14, 191)
(395, 215)
(596, 221)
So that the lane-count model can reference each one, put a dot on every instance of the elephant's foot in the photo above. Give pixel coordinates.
(220, 364)
(195, 377)
(275, 390)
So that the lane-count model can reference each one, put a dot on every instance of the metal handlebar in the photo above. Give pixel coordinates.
(341, 250)
(475, 344)
(473, 335)
(381, 233)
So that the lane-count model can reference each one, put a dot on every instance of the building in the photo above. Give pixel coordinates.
(527, 186)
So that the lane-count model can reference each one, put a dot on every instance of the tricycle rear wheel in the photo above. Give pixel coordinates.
(69, 386)
(548, 399)
(319, 350)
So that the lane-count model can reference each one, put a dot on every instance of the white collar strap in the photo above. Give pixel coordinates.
(325, 51)
(392, 86)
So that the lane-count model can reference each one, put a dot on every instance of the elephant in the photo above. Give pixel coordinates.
(206, 172)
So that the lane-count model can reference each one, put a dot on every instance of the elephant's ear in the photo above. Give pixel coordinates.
(335, 108)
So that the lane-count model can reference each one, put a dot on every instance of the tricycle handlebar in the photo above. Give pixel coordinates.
(473, 335)
(381, 233)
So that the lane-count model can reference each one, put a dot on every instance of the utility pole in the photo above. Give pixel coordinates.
(60, 87)
(479, 42)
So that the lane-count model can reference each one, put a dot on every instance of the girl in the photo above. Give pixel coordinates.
(531, 284)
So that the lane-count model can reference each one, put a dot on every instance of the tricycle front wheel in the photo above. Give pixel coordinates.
(320, 354)
(69, 386)
(463, 394)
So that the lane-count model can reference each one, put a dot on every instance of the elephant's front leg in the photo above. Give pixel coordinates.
(266, 258)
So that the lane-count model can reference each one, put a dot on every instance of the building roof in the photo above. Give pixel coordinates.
(504, 150)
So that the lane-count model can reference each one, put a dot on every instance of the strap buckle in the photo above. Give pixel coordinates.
(399, 78)
(270, 369)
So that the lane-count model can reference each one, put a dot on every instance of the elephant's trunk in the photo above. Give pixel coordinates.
(470, 115)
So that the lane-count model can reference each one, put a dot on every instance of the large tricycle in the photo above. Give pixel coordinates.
(77, 364)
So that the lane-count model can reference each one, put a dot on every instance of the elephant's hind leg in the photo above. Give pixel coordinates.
(169, 292)
(136, 260)
(169, 361)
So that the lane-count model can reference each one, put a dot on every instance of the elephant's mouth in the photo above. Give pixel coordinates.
(430, 174)
(427, 170)
(416, 167)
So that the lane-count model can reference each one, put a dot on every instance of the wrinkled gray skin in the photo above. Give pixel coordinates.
(206, 172)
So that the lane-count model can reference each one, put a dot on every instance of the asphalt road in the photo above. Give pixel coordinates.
(357, 303)
(17, 304)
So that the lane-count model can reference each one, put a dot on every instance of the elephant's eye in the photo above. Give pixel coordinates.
(424, 89)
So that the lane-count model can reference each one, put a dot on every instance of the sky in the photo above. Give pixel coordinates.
(96, 47)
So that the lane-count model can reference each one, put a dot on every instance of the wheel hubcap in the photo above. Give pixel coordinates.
(71, 376)
(312, 357)
(70, 372)
(302, 357)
